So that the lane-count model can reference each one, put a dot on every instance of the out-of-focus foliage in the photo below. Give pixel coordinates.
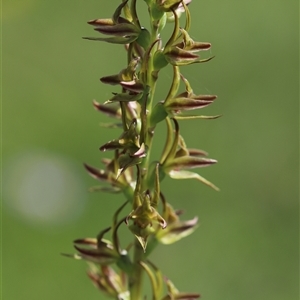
(247, 244)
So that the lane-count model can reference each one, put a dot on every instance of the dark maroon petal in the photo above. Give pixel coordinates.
(96, 173)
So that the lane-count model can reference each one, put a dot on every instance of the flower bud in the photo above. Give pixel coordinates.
(108, 281)
(101, 252)
(143, 217)
(175, 160)
(121, 30)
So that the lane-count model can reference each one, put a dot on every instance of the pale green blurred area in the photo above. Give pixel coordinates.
(247, 244)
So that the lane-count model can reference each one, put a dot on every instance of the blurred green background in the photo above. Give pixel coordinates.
(247, 244)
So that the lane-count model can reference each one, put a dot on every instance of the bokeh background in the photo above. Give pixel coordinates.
(247, 244)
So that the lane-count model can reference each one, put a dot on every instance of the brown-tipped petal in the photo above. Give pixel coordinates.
(178, 104)
(183, 226)
(197, 152)
(119, 30)
(194, 47)
(96, 173)
(111, 145)
(97, 22)
(112, 79)
(179, 57)
(92, 242)
(110, 111)
(132, 86)
(189, 162)
(187, 296)
(210, 98)
(177, 231)
(197, 46)
(97, 256)
(190, 117)
(101, 22)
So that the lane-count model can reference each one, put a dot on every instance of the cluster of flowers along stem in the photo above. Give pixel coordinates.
(116, 270)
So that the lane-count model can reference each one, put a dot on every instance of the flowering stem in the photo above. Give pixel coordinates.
(151, 219)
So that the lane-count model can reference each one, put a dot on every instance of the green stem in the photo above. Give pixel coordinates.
(135, 281)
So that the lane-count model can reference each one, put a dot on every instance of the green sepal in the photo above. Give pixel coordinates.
(156, 12)
(146, 65)
(180, 57)
(141, 234)
(172, 147)
(187, 17)
(158, 114)
(174, 86)
(162, 22)
(159, 60)
(127, 12)
(144, 38)
(124, 263)
(118, 11)
(168, 143)
(151, 179)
